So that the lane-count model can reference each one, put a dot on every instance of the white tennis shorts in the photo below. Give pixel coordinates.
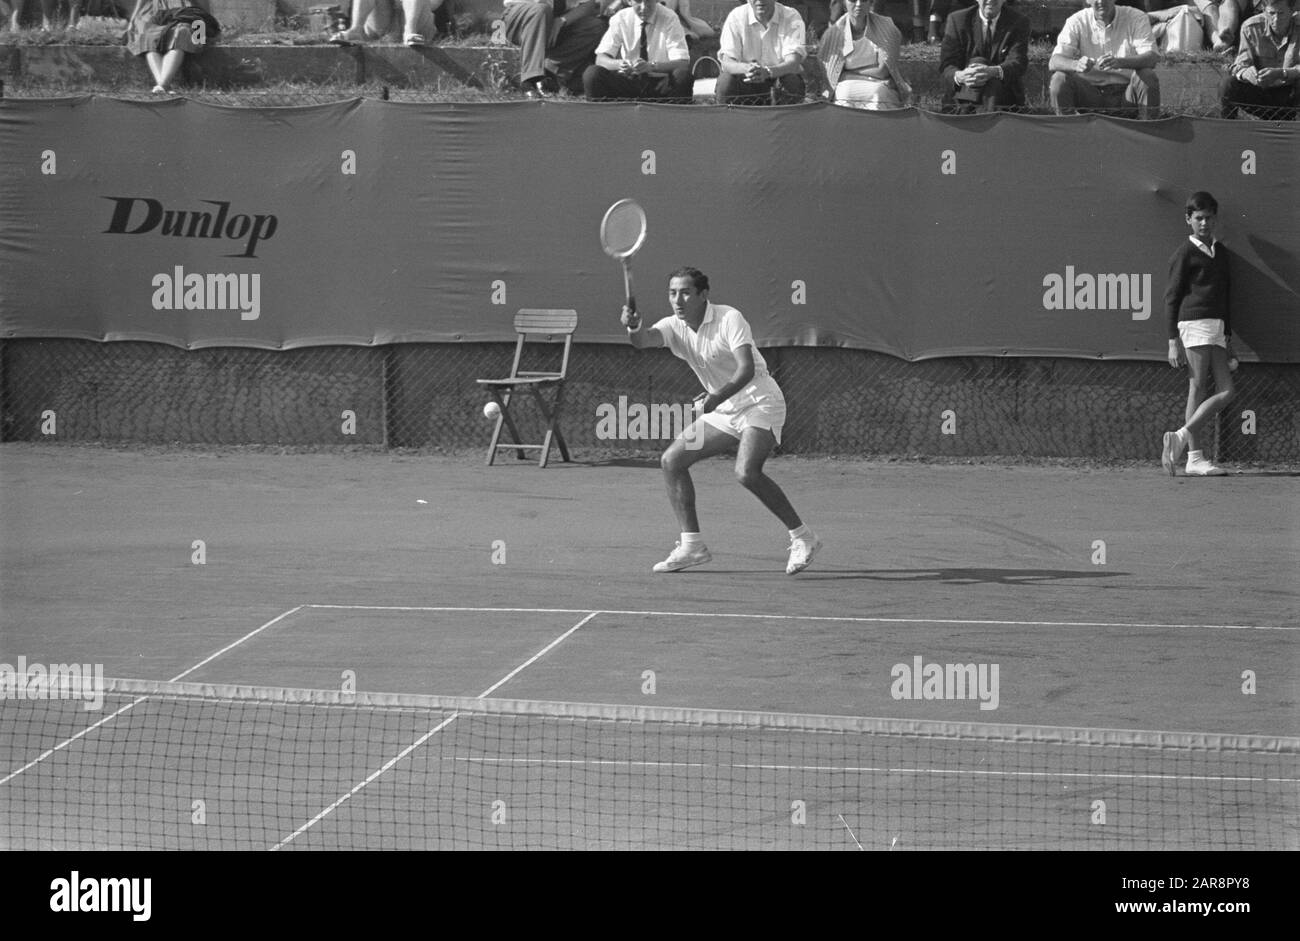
(1202, 333)
(759, 405)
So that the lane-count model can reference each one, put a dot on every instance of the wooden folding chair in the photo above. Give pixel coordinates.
(544, 326)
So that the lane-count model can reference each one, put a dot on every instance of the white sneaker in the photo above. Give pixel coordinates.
(683, 557)
(801, 553)
(1203, 468)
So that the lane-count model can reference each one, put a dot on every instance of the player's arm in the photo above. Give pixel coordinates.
(742, 377)
(638, 334)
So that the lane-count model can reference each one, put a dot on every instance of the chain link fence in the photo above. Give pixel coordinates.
(845, 402)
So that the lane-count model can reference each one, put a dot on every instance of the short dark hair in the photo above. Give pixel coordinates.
(1201, 201)
(698, 277)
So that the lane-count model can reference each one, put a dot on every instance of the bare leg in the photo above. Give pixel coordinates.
(1201, 406)
(154, 60)
(361, 10)
(418, 17)
(169, 68)
(677, 461)
(755, 446)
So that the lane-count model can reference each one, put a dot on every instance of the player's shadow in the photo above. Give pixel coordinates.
(958, 576)
(648, 461)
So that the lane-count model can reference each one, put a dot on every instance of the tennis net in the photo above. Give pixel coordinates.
(200, 766)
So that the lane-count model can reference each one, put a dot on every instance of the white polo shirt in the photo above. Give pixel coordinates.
(744, 39)
(711, 352)
(666, 42)
(1128, 35)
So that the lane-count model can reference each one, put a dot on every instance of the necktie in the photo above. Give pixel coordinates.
(645, 42)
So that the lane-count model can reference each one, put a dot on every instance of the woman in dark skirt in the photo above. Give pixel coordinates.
(165, 31)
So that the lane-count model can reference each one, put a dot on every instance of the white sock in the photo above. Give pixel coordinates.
(1193, 456)
(803, 532)
(1182, 434)
(692, 539)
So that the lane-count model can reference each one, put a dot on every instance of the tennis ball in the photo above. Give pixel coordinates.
(491, 410)
(1232, 364)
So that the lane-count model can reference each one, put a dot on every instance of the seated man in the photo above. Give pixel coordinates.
(984, 57)
(1104, 61)
(1266, 73)
(643, 55)
(816, 15)
(375, 19)
(1232, 17)
(940, 10)
(556, 42)
(761, 54)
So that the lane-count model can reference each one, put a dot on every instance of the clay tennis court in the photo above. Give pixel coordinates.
(434, 575)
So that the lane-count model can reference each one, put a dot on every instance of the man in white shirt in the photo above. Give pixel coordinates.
(642, 55)
(1104, 60)
(761, 52)
(742, 408)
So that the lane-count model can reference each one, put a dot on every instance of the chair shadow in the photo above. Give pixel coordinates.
(959, 576)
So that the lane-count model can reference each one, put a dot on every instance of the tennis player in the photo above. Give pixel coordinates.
(742, 409)
(1196, 310)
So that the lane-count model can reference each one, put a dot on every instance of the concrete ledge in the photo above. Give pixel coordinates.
(237, 66)
(1191, 87)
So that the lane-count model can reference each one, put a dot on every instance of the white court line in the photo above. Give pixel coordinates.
(871, 769)
(429, 734)
(810, 617)
(131, 705)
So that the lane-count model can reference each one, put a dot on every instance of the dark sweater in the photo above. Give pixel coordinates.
(1198, 287)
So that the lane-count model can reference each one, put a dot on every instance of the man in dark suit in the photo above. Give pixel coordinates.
(983, 59)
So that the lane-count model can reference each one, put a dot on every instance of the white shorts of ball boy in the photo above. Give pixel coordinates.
(759, 405)
(1208, 332)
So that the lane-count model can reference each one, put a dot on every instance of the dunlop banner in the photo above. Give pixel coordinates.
(369, 222)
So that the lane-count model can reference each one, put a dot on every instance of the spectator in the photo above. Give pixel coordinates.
(1182, 25)
(165, 32)
(761, 54)
(940, 10)
(556, 42)
(1232, 16)
(374, 19)
(860, 56)
(643, 55)
(694, 27)
(49, 13)
(984, 57)
(1265, 76)
(817, 16)
(1105, 60)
